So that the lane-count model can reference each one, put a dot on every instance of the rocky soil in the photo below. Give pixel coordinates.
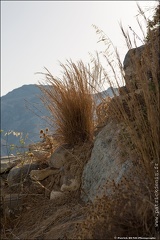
(41, 195)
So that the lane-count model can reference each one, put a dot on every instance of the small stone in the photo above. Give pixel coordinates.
(54, 195)
(42, 174)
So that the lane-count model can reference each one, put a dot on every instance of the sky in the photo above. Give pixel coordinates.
(38, 34)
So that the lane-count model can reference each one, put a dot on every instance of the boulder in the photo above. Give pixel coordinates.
(58, 157)
(42, 174)
(105, 164)
(20, 173)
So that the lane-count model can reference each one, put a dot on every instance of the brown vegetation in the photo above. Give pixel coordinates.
(71, 103)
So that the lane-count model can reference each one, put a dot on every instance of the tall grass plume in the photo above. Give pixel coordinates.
(71, 103)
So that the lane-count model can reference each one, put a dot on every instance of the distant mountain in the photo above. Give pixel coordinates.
(23, 111)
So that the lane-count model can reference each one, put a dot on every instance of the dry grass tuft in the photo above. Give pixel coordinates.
(71, 103)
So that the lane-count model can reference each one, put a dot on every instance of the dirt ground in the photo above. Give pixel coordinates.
(42, 218)
(45, 219)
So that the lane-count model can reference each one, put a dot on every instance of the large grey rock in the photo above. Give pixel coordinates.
(104, 165)
(20, 173)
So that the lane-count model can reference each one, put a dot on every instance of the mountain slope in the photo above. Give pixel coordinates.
(22, 111)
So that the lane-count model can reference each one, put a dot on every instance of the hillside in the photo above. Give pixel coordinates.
(22, 111)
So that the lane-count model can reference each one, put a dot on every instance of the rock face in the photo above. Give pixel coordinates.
(142, 59)
(132, 58)
(105, 164)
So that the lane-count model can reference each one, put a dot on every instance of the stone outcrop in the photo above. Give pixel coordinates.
(132, 58)
(140, 59)
(105, 164)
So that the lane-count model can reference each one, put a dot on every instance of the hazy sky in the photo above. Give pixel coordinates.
(38, 34)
